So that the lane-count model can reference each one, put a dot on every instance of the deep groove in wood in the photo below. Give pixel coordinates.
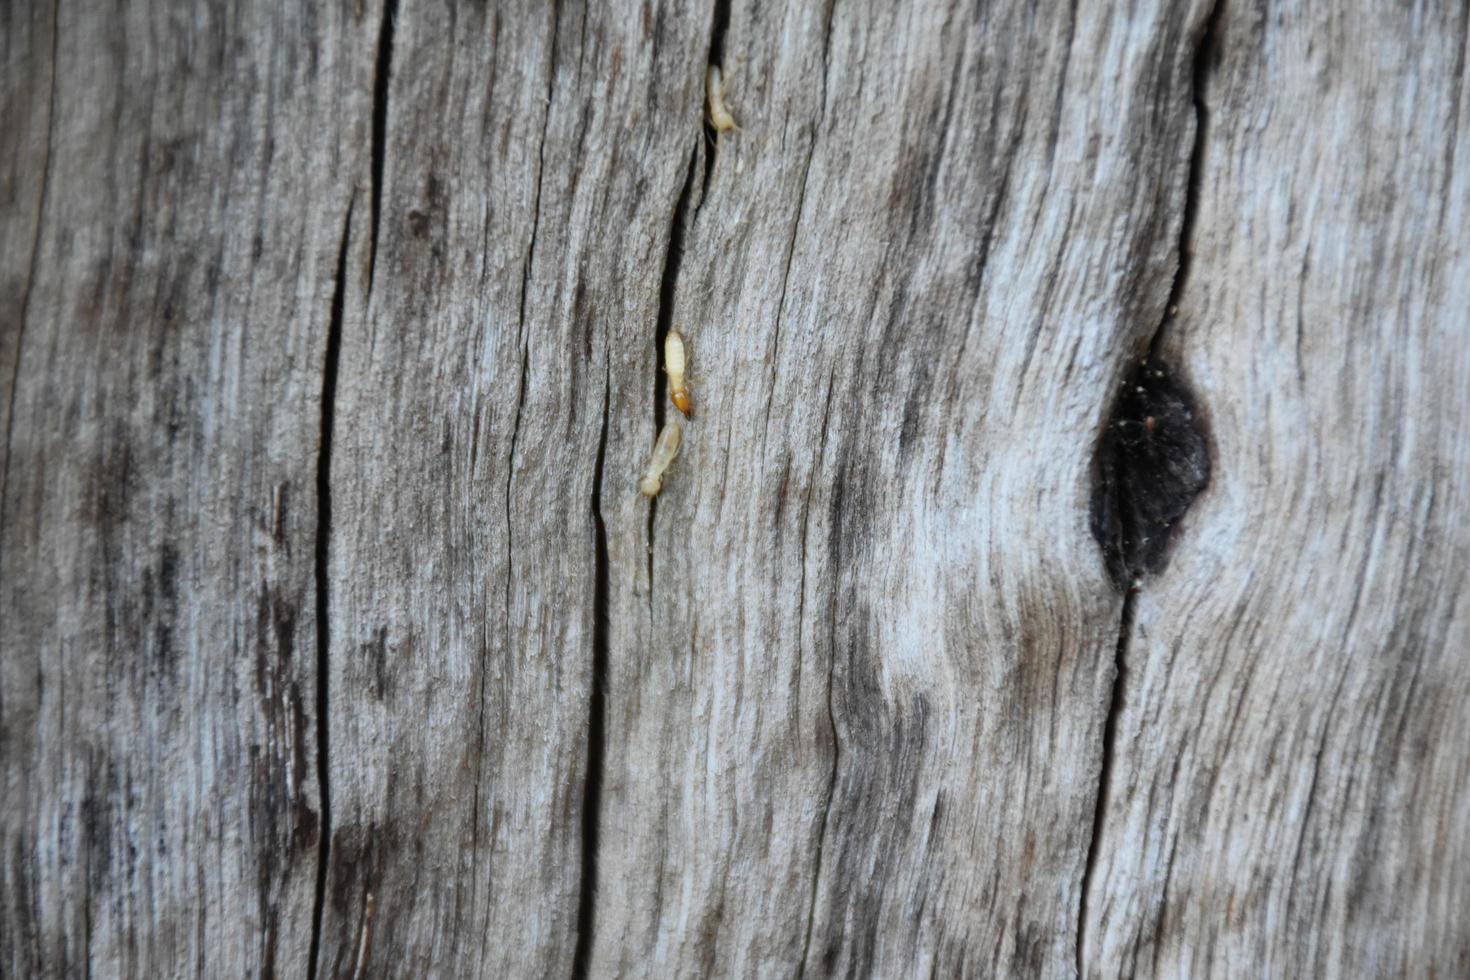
(383, 70)
(540, 165)
(597, 710)
(811, 912)
(1163, 407)
(1205, 52)
(323, 595)
(1115, 705)
(719, 26)
(664, 322)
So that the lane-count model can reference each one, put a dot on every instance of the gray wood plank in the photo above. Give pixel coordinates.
(359, 308)
(1292, 761)
(865, 739)
(496, 372)
(157, 586)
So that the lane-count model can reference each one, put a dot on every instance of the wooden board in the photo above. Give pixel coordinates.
(1292, 759)
(496, 372)
(338, 640)
(158, 668)
(867, 736)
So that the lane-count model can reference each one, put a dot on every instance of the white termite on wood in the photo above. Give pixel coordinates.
(658, 461)
(719, 116)
(674, 365)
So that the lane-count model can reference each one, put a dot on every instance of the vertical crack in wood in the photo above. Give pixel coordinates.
(510, 463)
(1115, 706)
(515, 434)
(1150, 473)
(25, 299)
(719, 25)
(663, 323)
(323, 608)
(596, 711)
(383, 70)
(811, 915)
(540, 166)
(1206, 47)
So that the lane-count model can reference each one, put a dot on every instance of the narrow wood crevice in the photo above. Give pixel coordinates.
(806, 173)
(811, 916)
(510, 462)
(540, 166)
(1151, 463)
(597, 702)
(515, 434)
(323, 595)
(719, 26)
(664, 322)
(596, 709)
(381, 76)
(1205, 57)
(1115, 708)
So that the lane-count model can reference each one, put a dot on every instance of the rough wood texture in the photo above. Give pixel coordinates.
(25, 117)
(532, 159)
(1289, 791)
(866, 739)
(158, 664)
(359, 311)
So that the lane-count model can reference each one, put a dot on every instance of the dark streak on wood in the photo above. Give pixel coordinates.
(159, 658)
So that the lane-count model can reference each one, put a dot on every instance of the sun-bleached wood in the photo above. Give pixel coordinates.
(1290, 794)
(843, 699)
(866, 741)
(532, 160)
(158, 654)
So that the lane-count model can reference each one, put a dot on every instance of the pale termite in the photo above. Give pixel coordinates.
(674, 366)
(719, 116)
(658, 461)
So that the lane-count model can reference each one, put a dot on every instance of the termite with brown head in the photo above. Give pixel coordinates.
(674, 365)
(714, 88)
(658, 461)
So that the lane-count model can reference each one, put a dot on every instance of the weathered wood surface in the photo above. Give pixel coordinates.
(359, 314)
(533, 157)
(1290, 793)
(190, 170)
(865, 737)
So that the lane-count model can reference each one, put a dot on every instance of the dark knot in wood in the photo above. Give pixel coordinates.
(1151, 462)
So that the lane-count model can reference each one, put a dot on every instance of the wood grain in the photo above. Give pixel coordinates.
(27, 36)
(496, 365)
(338, 640)
(1288, 795)
(158, 654)
(866, 741)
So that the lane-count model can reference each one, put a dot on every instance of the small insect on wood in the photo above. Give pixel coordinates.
(674, 366)
(658, 461)
(719, 116)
